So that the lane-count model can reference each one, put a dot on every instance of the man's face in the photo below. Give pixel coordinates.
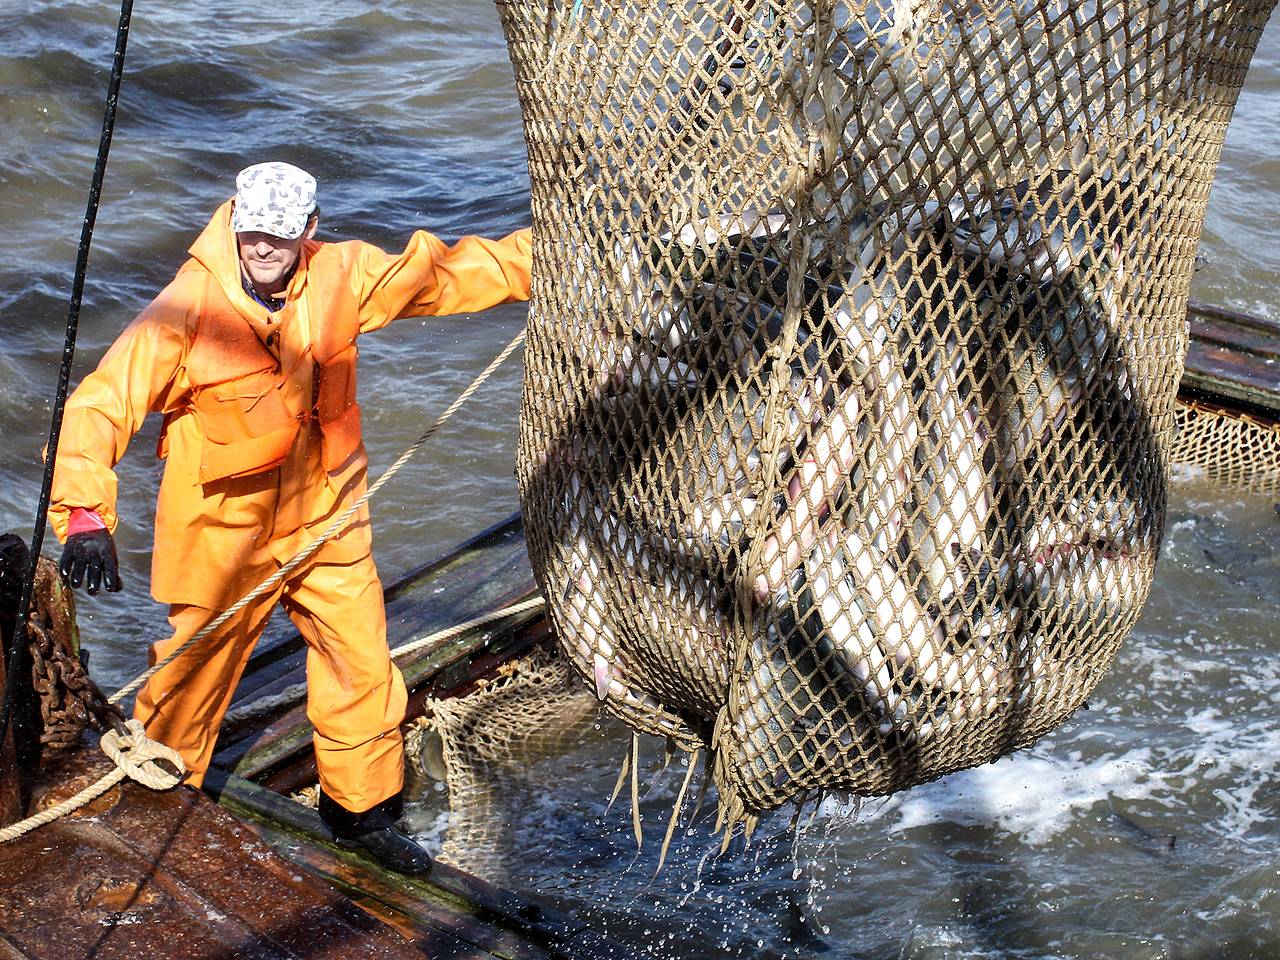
(267, 259)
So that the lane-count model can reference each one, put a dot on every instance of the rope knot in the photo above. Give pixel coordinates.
(137, 754)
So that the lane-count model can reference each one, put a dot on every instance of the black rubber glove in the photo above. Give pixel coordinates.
(90, 558)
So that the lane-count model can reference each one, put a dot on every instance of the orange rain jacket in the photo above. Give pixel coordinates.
(261, 425)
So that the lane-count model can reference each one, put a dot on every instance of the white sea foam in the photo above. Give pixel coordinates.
(1038, 793)
(1032, 793)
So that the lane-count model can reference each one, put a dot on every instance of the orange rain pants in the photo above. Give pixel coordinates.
(356, 696)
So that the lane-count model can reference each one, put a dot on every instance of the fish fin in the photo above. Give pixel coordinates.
(600, 671)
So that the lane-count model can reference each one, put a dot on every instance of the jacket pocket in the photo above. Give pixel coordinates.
(243, 409)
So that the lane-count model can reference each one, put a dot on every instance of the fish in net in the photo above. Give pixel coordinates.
(854, 341)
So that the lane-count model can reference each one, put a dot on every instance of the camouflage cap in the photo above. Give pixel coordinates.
(274, 197)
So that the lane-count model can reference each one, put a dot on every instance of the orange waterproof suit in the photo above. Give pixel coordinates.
(263, 446)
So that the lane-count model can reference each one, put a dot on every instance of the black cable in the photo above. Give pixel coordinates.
(68, 354)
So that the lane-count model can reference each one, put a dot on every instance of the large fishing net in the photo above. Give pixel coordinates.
(850, 377)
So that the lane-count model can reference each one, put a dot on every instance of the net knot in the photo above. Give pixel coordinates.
(138, 756)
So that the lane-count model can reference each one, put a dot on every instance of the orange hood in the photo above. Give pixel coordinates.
(215, 250)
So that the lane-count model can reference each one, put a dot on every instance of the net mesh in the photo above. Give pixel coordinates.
(1232, 449)
(489, 741)
(850, 377)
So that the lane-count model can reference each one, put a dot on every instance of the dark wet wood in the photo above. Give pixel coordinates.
(1233, 361)
(141, 874)
(10, 786)
(489, 919)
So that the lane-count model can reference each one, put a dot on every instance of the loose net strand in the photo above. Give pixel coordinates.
(491, 741)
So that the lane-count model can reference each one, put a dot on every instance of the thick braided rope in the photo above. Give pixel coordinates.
(295, 691)
(135, 755)
(334, 528)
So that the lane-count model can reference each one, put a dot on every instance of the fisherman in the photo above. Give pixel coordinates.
(249, 354)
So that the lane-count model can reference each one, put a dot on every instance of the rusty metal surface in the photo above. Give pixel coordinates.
(55, 700)
(170, 874)
(70, 702)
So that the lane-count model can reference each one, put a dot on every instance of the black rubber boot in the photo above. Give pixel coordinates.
(375, 832)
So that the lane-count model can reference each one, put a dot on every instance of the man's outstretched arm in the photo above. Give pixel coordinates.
(432, 279)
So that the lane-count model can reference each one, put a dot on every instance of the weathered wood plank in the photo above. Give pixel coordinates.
(171, 875)
(1233, 360)
(486, 572)
(271, 668)
(1237, 337)
(1199, 310)
(523, 923)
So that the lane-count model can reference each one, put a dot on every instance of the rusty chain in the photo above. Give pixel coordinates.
(69, 701)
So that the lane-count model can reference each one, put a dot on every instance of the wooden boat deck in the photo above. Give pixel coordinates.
(146, 874)
(174, 874)
(1233, 361)
(449, 910)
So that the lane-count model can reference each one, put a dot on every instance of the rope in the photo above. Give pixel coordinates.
(333, 528)
(135, 755)
(68, 355)
(440, 637)
(295, 691)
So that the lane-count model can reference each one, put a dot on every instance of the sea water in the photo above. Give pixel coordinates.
(1146, 827)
